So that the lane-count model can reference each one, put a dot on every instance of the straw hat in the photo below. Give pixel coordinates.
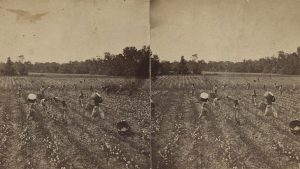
(95, 95)
(32, 97)
(268, 94)
(204, 95)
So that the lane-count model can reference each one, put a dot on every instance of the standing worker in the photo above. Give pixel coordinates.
(215, 89)
(216, 102)
(270, 98)
(204, 112)
(97, 110)
(65, 109)
(280, 89)
(31, 98)
(236, 109)
(248, 86)
(253, 97)
(193, 89)
(19, 93)
(81, 97)
(42, 91)
(294, 86)
(91, 89)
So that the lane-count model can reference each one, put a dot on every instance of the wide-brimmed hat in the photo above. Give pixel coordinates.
(268, 94)
(32, 97)
(204, 96)
(123, 127)
(295, 127)
(95, 95)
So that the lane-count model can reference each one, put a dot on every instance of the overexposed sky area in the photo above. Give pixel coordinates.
(64, 30)
(224, 29)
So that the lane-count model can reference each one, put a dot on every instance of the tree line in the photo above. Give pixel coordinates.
(284, 63)
(132, 62)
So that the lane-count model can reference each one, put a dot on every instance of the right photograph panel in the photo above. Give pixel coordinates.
(225, 84)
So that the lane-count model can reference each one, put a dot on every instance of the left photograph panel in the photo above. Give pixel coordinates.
(74, 84)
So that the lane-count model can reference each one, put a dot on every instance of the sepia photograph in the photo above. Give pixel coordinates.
(74, 84)
(149, 84)
(225, 84)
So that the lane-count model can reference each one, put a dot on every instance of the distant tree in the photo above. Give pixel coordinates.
(183, 69)
(130, 60)
(194, 67)
(298, 51)
(21, 69)
(289, 64)
(20, 66)
(165, 67)
(9, 69)
(175, 68)
(143, 62)
(155, 66)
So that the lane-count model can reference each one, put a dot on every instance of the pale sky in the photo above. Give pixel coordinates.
(64, 30)
(224, 29)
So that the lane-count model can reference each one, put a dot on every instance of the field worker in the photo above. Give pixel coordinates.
(248, 86)
(204, 106)
(280, 89)
(81, 97)
(257, 79)
(42, 91)
(19, 93)
(120, 89)
(152, 103)
(63, 89)
(43, 103)
(236, 109)
(253, 97)
(31, 98)
(91, 88)
(56, 99)
(294, 86)
(97, 110)
(132, 89)
(264, 87)
(193, 89)
(215, 89)
(65, 109)
(152, 108)
(75, 87)
(216, 102)
(269, 100)
(104, 89)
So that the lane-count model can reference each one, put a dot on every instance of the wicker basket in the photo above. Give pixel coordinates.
(123, 127)
(295, 127)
